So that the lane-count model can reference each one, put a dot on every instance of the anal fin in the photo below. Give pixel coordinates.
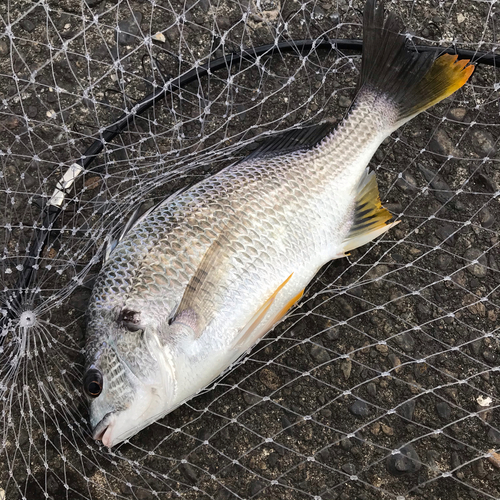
(370, 217)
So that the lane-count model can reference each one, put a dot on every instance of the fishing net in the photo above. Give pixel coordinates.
(383, 383)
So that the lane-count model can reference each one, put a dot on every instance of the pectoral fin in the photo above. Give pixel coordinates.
(200, 300)
(370, 217)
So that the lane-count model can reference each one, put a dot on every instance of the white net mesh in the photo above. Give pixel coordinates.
(382, 384)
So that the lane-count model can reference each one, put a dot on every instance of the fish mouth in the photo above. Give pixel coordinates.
(102, 431)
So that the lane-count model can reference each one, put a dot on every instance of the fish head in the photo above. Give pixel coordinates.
(128, 380)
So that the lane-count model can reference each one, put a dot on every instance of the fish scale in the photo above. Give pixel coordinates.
(197, 281)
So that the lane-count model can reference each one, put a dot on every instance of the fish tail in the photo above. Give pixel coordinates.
(410, 81)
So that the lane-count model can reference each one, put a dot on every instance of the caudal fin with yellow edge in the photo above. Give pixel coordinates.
(446, 76)
(410, 81)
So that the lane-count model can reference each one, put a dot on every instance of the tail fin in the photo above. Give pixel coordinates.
(413, 82)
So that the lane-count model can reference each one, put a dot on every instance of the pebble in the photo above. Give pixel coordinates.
(27, 25)
(457, 114)
(387, 430)
(4, 48)
(478, 468)
(251, 399)
(334, 19)
(407, 409)
(443, 409)
(52, 484)
(377, 272)
(285, 422)
(129, 28)
(494, 458)
(442, 144)
(204, 5)
(324, 455)
(255, 487)
(345, 307)
(456, 464)
(11, 122)
(493, 436)
(359, 408)
(487, 182)
(273, 459)
(405, 341)
(344, 102)
(349, 469)
(203, 434)
(320, 354)
(479, 270)
(346, 444)
(395, 362)
(270, 379)
(483, 143)
(223, 494)
(371, 389)
(432, 461)
(444, 261)
(318, 13)
(404, 462)
(333, 334)
(486, 218)
(445, 233)
(223, 22)
(189, 472)
(32, 111)
(490, 356)
(29, 181)
(346, 367)
(423, 311)
(407, 183)
(143, 494)
(442, 191)
(51, 97)
(23, 436)
(329, 495)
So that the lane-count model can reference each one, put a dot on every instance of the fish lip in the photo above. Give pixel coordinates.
(101, 428)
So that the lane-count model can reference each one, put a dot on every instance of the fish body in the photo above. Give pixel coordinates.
(200, 279)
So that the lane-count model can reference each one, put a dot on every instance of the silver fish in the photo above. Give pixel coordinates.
(196, 282)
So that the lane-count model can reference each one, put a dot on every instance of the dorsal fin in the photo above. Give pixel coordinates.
(298, 139)
(370, 217)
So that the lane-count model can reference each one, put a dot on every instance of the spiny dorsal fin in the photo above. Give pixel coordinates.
(370, 217)
(298, 139)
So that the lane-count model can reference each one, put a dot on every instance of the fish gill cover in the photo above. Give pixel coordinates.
(384, 383)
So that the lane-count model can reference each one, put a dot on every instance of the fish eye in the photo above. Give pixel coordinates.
(92, 383)
(131, 327)
(130, 320)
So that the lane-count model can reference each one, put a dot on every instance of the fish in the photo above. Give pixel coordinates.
(194, 283)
